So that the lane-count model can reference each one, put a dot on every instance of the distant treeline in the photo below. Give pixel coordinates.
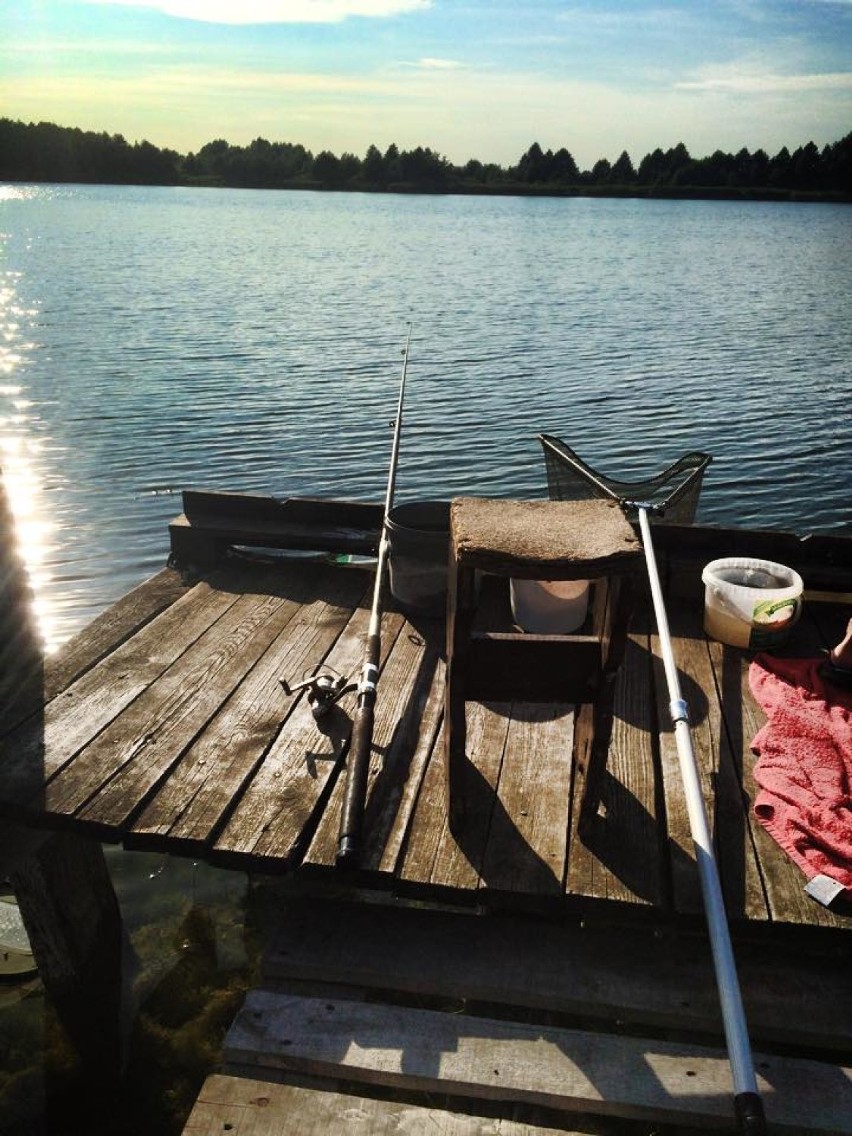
(45, 152)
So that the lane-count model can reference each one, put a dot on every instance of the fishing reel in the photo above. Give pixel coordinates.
(324, 690)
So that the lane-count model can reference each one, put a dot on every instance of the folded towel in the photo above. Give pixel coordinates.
(804, 766)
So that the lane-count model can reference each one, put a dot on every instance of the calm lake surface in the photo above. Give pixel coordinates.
(157, 339)
(153, 340)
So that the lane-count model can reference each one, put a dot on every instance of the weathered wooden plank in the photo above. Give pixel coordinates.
(39, 681)
(276, 815)
(242, 1106)
(719, 778)
(407, 715)
(213, 521)
(391, 810)
(617, 855)
(438, 858)
(615, 974)
(569, 1070)
(211, 507)
(112, 627)
(740, 871)
(528, 835)
(202, 790)
(116, 773)
(37, 749)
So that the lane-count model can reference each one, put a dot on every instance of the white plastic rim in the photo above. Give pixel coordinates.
(740, 578)
(750, 602)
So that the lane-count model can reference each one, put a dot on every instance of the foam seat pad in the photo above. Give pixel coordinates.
(570, 539)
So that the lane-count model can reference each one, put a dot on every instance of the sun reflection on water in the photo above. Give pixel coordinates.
(20, 449)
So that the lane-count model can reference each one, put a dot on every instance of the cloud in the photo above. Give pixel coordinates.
(274, 11)
(769, 83)
(431, 64)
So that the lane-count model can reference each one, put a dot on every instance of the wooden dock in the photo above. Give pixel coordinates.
(518, 970)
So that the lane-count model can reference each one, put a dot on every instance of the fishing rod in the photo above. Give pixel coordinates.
(358, 758)
(747, 1102)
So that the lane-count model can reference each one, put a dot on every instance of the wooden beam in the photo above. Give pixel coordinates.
(605, 974)
(568, 1070)
(242, 1106)
(212, 522)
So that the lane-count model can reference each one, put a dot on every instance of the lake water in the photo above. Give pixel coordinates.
(158, 339)
(153, 340)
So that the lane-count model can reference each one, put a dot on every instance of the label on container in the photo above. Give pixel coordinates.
(772, 619)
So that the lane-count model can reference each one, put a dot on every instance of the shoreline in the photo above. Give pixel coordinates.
(648, 193)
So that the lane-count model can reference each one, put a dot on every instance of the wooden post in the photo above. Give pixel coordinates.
(60, 880)
(72, 917)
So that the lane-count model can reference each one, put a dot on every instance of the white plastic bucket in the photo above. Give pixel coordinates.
(750, 603)
(549, 607)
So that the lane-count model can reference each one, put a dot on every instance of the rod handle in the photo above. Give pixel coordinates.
(355, 794)
(751, 1120)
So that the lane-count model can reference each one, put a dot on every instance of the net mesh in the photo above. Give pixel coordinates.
(671, 495)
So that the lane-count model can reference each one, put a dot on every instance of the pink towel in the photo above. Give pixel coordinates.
(804, 766)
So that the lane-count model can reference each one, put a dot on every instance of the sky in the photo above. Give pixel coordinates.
(470, 78)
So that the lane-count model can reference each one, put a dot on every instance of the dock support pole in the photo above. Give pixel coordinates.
(71, 914)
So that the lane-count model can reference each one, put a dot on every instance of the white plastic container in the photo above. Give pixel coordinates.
(549, 607)
(750, 603)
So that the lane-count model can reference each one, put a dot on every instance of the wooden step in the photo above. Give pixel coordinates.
(242, 1106)
(573, 1071)
(614, 974)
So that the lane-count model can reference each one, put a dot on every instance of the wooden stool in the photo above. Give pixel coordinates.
(541, 540)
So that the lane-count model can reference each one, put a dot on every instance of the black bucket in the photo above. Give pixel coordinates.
(419, 537)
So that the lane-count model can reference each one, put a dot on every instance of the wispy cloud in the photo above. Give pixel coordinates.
(430, 64)
(274, 11)
(769, 83)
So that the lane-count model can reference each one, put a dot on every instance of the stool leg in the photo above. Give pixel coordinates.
(461, 599)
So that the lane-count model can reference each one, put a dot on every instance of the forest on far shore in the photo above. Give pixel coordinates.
(44, 152)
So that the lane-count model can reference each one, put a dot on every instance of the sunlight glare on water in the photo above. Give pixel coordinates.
(20, 453)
